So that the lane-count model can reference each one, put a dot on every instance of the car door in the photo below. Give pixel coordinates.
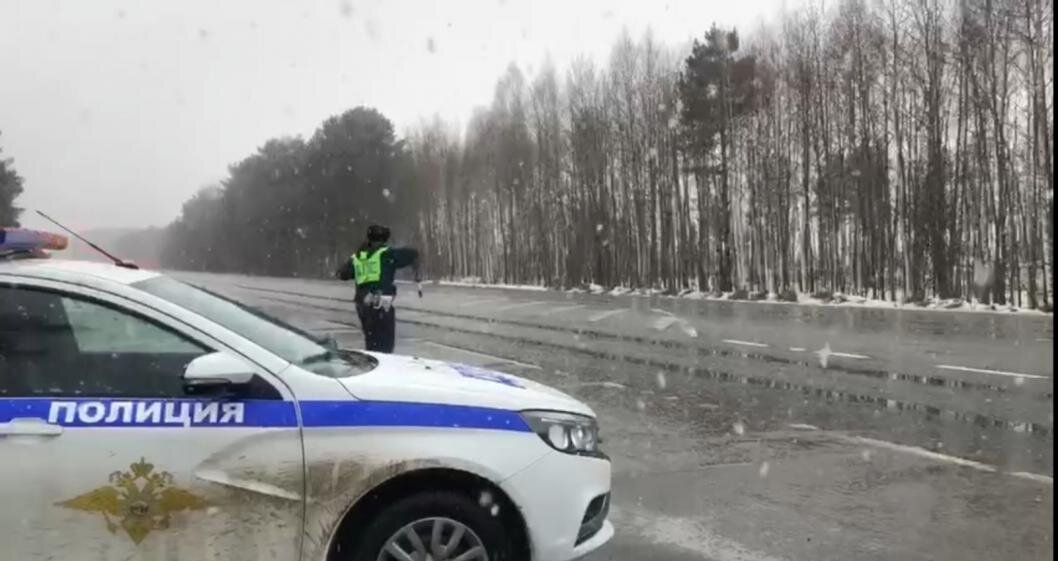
(103, 455)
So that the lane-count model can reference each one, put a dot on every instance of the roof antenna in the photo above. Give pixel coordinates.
(117, 261)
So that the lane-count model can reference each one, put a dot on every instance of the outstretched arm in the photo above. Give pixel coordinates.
(409, 257)
(406, 257)
(415, 268)
(418, 274)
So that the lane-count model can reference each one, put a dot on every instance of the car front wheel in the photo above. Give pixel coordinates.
(435, 526)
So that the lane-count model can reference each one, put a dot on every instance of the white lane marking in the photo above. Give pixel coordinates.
(473, 302)
(484, 301)
(798, 349)
(664, 322)
(520, 305)
(482, 355)
(603, 315)
(937, 456)
(1033, 477)
(613, 385)
(566, 308)
(922, 452)
(746, 343)
(987, 371)
(826, 352)
(850, 355)
(802, 426)
(685, 533)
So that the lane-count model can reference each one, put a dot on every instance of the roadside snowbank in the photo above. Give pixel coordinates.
(477, 283)
(835, 300)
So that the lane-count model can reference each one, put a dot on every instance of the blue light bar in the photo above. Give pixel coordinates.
(20, 239)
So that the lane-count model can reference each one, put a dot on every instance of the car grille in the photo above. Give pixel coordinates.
(594, 517)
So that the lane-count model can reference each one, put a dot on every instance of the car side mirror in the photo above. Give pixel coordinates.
(216, 374)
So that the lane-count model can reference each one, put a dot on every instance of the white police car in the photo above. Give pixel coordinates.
(145, 419)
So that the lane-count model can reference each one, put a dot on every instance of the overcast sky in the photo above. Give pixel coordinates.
(115, 112)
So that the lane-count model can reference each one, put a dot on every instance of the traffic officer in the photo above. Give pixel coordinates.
(373, 268)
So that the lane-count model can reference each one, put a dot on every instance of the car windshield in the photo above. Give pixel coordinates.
(295, 345)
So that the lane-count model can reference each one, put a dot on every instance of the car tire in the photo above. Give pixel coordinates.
(419, 513)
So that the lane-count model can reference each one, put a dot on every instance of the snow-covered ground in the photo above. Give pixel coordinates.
(474, 282)
(837, 299)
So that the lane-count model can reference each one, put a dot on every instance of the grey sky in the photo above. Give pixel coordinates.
(116, 111)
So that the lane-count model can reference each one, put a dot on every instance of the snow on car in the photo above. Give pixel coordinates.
(144, 418)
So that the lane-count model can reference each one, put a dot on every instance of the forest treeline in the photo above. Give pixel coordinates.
(10, 189)
(896, 149)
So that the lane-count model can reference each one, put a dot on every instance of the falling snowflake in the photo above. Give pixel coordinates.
(371, 28)
(661, 380)
(763, 471)
(738, 428)
(641, 405)
(866, 455)
(824, 355)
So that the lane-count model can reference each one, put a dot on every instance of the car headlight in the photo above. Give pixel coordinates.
(565, 432)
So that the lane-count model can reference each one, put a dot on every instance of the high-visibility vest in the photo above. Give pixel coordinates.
(368, 266)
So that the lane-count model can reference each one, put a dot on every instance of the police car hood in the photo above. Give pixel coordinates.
(418, 380)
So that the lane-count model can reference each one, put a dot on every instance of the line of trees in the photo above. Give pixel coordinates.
(890, 148)
(297, 207)
(887, 148)
(10, 189)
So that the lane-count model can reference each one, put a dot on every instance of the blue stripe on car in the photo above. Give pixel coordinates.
(162, 413)
(398, 414)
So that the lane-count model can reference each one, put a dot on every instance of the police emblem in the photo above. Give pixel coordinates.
(138, 501)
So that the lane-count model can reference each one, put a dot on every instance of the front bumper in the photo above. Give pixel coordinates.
(564, 500)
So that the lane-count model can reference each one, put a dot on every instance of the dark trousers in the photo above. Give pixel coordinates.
(379, 326)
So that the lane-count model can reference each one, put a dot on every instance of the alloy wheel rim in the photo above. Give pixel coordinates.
(434, 539)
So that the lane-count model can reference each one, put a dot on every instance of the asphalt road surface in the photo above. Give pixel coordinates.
(754, 431)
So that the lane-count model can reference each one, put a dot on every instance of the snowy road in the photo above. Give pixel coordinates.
(745, 431)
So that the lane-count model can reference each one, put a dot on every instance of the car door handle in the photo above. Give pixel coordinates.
(29, 426)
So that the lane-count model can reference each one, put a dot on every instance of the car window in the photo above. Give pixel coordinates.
(98, 329)
(53, 343)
